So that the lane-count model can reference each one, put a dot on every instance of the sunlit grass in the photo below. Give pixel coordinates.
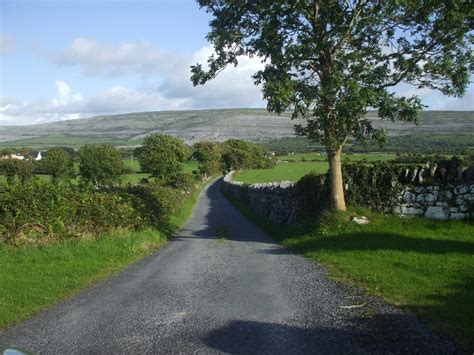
(422, 265)
(33, 278)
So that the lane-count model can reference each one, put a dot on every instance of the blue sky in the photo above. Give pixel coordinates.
(68, 59)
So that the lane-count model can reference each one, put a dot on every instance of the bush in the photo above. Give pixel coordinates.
(184, 182)
(313, 190)
(100, 164)
(155, 202)
(163, 156)
(238, 154)
(11, 168)
(39, 211)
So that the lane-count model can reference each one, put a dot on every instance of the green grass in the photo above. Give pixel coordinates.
(282, 171)
(422, 265)
(348, 157)
(33, 278)
(52, 140)
(294, 167)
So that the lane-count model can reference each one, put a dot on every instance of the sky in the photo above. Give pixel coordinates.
(67, 59)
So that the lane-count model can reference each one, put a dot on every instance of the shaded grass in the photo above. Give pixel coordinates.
(33, 278)
(422, 265)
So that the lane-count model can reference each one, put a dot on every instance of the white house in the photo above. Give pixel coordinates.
(39, 157)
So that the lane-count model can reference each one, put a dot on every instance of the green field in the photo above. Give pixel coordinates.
(32, 278)
(133, 178)
(294, 167)
(52, 140)
(281, 172)
(419, 264)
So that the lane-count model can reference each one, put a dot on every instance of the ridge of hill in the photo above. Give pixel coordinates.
(216, 124)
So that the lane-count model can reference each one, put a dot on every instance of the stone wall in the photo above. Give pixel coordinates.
(280, 201)
(437, 201)
(277, 201)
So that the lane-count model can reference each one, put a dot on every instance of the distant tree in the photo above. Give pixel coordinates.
(15, 167)
(163, 156)
(24, 151)
(100, 164)
(330, 60)
(8, 151)
(238, 154)
(208, 154)
(58, 164)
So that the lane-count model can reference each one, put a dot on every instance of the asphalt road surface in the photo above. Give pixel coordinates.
(205, 293)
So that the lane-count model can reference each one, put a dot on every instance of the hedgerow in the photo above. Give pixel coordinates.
(38, 212)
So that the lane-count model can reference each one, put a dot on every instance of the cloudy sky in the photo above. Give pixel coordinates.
(66, 59)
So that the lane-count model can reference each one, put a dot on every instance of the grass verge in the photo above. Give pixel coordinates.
(421, 265)
(33, 278)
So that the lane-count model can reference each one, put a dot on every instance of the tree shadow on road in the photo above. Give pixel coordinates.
(388, 333)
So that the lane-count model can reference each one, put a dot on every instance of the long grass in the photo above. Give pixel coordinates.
(422, 265)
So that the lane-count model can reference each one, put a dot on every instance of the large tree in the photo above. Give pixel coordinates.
(100, 164)
(58, 163)
(329, 61)
(208, 154)
(163, 156)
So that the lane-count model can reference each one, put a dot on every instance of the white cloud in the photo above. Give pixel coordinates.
(99, 59)
(435, 100)
(65, 95)
(7, 43)
(233, 87)
(72, 105)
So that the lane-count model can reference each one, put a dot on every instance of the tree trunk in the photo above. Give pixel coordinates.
(335, 174)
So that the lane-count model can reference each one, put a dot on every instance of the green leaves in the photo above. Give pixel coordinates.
(163, 156)
(57, 163)
(100, 164)
(330, 61)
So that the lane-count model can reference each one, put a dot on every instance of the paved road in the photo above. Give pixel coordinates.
(202, 294)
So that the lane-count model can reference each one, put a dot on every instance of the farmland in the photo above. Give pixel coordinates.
(293, 167)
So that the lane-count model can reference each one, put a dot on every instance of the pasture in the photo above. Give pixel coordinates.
(294, 167)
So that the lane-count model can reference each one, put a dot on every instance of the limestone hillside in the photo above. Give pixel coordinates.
(250, 124)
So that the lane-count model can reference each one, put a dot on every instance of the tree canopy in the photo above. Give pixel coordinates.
(208, 154)
(100, 164)
(330, 61)
(163, 156)
(58, 164)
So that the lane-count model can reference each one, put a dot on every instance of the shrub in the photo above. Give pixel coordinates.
(39, 211)
(163, 156)
(57, 163)
(155, 202)
(238, 154)
(23, 169)
(184, 182)
(100, 164)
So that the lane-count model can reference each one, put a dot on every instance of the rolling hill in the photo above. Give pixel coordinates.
(251, 124)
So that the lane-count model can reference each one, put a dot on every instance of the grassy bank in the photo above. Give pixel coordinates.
(33, 278)
(422, 265)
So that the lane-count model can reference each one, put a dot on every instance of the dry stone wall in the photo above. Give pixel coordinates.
(277, 201)
(437, 201)
(280, 201)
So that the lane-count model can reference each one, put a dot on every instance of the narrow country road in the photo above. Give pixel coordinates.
(204, 294)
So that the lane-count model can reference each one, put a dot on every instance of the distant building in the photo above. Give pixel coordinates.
(39, 157)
